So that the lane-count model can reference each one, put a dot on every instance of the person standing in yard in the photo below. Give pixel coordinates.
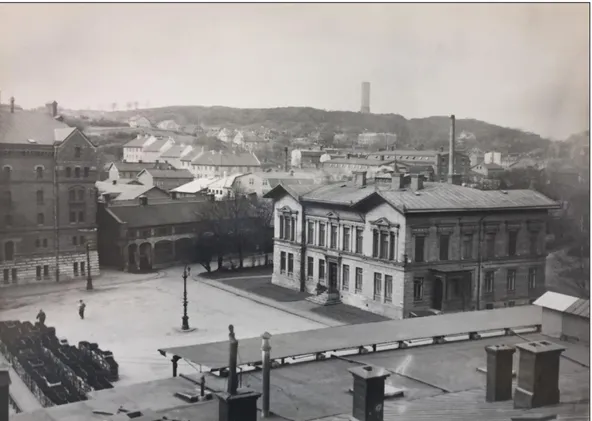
(81, 308)
(41, 317)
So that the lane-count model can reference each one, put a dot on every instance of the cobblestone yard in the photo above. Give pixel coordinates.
(133, 319)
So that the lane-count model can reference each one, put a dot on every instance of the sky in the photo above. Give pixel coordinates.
(518, 65)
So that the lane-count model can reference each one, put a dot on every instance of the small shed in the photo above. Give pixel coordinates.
(565, 317)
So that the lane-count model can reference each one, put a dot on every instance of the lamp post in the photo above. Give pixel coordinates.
(185, 318)
(89, 284)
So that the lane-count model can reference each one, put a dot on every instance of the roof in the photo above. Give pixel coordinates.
(359, 161)
(224, 182)
(226, 159)
(195, 186)
(290, 181)
(31, 127)
(137, 166)
(564, 304)
(155, 396)
(157, 213)
(433, 197)
(174, 151)
(158, 173)
(193, 154)
(157, 144)
(137, 142)
(124, 191)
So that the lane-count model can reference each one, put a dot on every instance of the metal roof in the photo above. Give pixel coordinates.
(31, 127)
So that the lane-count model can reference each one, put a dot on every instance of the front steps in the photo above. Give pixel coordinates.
(325, 299)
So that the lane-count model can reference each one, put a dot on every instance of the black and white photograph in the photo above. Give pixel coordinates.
(305, 211)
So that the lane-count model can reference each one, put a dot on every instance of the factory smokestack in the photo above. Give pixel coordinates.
(451, 147)
(365, 98)
(286, 159)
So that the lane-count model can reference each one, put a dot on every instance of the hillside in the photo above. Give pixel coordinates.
(430, 132)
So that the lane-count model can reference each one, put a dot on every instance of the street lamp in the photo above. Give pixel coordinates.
(185, 318)
(89, 284)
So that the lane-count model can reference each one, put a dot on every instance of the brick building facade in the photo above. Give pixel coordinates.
(397, 249)
(48, 201)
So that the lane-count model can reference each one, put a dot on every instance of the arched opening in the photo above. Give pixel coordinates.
(163, 252)
(184, 250)
(145, 257)
(9, 250)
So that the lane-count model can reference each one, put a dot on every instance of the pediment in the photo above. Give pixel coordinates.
(287, 209)
(332, 215)
(384, 222)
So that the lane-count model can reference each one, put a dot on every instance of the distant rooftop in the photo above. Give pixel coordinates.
(227, 159)
(158, 212)
(158, 173)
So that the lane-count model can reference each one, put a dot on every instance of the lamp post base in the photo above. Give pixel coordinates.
(185, 323)
(89, 285)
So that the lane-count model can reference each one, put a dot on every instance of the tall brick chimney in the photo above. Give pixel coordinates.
(4, 394)
(368, 391)
(12, 104)
(451, 148)
(416, 182)
(499, 372)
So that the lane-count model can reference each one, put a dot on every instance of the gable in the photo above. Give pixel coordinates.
(76, 138)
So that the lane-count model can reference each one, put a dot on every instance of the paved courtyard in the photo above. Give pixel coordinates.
(134, 319)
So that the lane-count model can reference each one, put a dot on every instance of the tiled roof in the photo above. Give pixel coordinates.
(156, 145)
(174, 151)
(22, 126)
(227, 159)
(162, 213)
(156, 173)
(434, 196)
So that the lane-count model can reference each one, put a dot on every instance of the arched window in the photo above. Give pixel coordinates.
(77, 172)
(81, 195)
(68, 172)
(9, 250)
(39, 172)
(6, 172)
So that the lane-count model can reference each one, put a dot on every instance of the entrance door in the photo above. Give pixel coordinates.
(437, 294)
(332, 277)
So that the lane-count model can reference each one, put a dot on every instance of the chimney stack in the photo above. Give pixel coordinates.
(4, 394)
(54, 109)
(286, 159)
(368, 392)
(397, 180)
(266, 359)
(360, 178)
(499, 373)
(12, 104)
(365, 109)
(451, 148)
(416, 182)
(538, 374)
(236, 405)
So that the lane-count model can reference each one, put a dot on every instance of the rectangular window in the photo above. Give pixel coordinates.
(6, 276)
(82, 268)
(75, 267)
(377, 286)
(75, 240)
(511, 280)
(444, 246)
(283, 262)
(281, 227)
(417, 289)
(346, 238)
(419, 248)
(310, 233)
(512, 241)
(40, 219)
(45, 271)
(292, 229)
(375, 242)
(72, 217)
(490, 246)
(86, 172)
(72, 195)
(290, 264)
(40, 197)
(393, 243)
(534, 244)
(14, 275)
(488, 282)
(388, 289)
(322, 234)
(359, 241)
(384, 245)
(345, 278)
(310, 270)
(321, 269)
(468, 247)
(77, 152)
(359, 280)
(80, 216)
(333, 236)
(38, 272)
(532, 275)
